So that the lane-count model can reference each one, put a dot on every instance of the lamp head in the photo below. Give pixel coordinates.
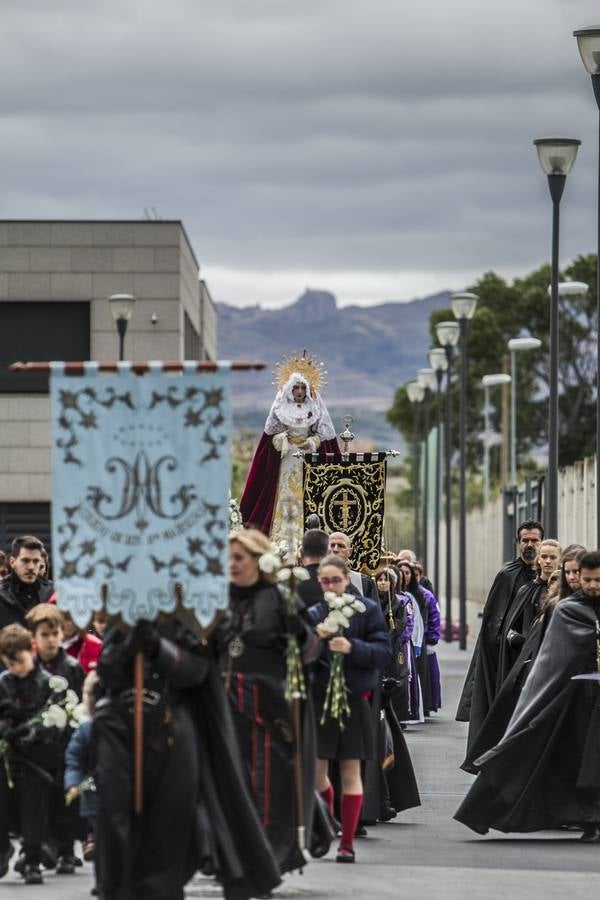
(557, 155)
(448, 333)
(437, 359)
(426, 378)
(526, 343)
(121, 306)
(588, 43)
(463, 305)
(570, 289)
(489, 381)
(415, 391)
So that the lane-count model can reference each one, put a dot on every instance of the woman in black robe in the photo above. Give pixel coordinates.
(251, 643)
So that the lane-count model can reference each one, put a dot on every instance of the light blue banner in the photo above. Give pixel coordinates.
(141, 469)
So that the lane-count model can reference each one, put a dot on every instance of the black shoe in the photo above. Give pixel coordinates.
(361, 831)
(4, 861)
(345, 855)
(387, 813)
(64, 866)
(19, 866)
(591, 835)
(32, 874)
(47, 857)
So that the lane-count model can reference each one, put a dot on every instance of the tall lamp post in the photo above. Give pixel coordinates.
(463, 307)
(121, 307)
(588, 42)
(415, 394)
(439, 364)
(489, 381)
(516, 345)
(427, 380)
(448, 334)
(556, 157)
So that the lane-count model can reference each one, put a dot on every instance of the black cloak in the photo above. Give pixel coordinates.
(545, 772)
(479, 689)
(501, 710)
(519, 620)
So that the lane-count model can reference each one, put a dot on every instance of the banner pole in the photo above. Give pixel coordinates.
(138, 733)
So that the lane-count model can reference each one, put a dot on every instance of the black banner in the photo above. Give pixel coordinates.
(349, 496)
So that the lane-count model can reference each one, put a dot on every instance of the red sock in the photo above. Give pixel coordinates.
(351, 807)
(328, 797)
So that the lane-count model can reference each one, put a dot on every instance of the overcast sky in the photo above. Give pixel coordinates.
(381, 149)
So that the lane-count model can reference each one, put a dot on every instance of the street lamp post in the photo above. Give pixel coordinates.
(448, 334)
(463, 307)
(427, 380)
(489, 381)
(515, 345)
(121, 307)
(588, 42)
(415, 394)
(556, 157)
(439, 364)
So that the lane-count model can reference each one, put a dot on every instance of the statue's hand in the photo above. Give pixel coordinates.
(281, 443)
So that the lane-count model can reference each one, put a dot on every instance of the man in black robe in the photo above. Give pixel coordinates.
(480, 686)
(545, 772)
(519, 621)
(315, 547)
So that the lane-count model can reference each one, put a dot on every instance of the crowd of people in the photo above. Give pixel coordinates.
(531, 694)
(232, 787)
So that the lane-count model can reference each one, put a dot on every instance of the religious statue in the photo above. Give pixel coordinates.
(272, 499)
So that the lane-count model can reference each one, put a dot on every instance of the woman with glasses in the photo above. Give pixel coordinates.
(366, 649)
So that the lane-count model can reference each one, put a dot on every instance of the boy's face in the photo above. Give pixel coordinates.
(21, 665)
(48, 639)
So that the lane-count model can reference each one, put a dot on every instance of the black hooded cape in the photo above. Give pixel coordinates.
(545, 772)
(479, 689)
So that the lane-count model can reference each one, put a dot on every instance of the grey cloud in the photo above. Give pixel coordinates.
(340, 134)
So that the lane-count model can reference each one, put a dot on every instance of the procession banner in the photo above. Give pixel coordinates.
(140, 491)
(349, 496)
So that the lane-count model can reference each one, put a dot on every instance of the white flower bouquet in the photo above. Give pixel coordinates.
(341, 609)
(62, 708)
(287, 578)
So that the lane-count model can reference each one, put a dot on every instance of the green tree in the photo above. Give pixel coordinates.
(515, 310)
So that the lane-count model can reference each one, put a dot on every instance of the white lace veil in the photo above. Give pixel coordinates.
(286, 413)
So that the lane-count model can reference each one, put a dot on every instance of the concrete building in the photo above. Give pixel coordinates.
(55, 278)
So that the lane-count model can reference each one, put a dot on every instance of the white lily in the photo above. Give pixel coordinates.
(269, 563)
(54, 717)
(58, 684)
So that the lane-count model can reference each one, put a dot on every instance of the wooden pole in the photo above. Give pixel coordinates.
(138, 733)
(300, 826)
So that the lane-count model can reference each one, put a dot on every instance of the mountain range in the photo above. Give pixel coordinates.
(367, 350)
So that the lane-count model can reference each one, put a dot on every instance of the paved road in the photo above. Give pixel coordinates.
(423, 852)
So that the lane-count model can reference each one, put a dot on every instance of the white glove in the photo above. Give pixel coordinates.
(431, 649)
(310, 445)
(281, 443)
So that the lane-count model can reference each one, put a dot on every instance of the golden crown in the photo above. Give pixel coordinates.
(307, 366)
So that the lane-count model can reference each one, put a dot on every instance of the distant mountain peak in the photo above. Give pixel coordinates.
(313, 306)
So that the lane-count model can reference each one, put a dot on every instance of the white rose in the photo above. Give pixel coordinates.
(80, 714)
(284, 575)
(338, 616)
(331, 624)
(72, 697)
(58, 684)
(347, 611)
(338, 603)
(269, 563)
(358, 606)
(54, 716)
(330, 598)
(300, 573)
